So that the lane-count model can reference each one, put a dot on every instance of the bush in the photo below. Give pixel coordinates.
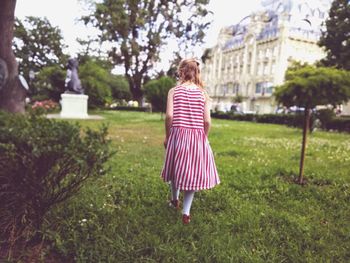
(338, 124)
(49, 83)
(325, 116)
(43, 162)
(157, 92)
(45, 106)
(293, 120)
(96, 81)
(120, 88)
(129, 108)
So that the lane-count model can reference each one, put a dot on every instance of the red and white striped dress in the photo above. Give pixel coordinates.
(189, 160)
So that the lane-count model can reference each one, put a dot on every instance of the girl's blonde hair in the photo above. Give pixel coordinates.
(188, 70)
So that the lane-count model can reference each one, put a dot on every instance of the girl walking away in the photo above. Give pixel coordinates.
(189, 163)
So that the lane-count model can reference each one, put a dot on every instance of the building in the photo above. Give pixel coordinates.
(251, 57)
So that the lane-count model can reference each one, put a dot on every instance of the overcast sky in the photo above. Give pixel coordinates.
(64, 14)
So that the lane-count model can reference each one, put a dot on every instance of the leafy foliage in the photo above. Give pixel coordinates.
(42, 163)
(37, 44)
(50, 83)
(96, 82)
(309, 86)
(120, 88)
(45, 106)
(336, 38)
(139, 29)
(157, 92)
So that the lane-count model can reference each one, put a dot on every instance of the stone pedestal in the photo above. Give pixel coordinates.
(74, 106)
(346, 109)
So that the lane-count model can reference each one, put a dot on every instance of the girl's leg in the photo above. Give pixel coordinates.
(188, 198)
(174, 191)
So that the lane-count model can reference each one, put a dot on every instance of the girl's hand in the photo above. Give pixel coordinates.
(165, 142)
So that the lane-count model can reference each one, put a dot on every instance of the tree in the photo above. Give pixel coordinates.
(12, 95)
(139, 29)
(157, 92)
(336, 38)
(96, 81)
(238, 98)
(120, 88)
(37, 44)
(307, 87)
(50, 83)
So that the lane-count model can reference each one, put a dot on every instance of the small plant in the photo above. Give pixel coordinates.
(325, 116)
(45, 106)
(42, 162)
(237, 99)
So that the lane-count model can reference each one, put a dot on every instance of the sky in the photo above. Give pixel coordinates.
(65, 15)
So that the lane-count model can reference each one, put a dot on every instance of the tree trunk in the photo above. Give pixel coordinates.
(12, 95)
(135, 87)
(303, 146)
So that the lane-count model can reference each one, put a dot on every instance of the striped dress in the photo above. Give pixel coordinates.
(189, 161)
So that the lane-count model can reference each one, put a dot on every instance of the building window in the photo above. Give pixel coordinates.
(230, 87)
(264, 88)
(258, 88)
(269, 88)
(236, 88)
(224, 89)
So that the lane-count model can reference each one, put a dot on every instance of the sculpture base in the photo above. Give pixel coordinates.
(346, 109)
(74, 106)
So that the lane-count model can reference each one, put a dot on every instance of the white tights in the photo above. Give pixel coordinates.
(188, 198)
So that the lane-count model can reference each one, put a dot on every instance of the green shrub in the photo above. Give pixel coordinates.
(49, 84)
(338, 124)
(325, 116)
(45, 106)
(43, 162)
(129, 108)
(96, 82)
(292, 120)
(157, 92)
(120, 88)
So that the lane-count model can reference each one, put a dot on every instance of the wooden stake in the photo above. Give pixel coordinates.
(303, 146)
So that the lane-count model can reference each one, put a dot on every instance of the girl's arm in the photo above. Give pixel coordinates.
(207, 118)
(168, 116)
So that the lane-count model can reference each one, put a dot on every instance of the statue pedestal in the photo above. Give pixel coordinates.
(74, 106)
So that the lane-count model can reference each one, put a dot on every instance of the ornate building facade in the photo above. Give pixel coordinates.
(251, 57)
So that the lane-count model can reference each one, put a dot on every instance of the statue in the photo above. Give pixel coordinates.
(3, 73)
(72, 83)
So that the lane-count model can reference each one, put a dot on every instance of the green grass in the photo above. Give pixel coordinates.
(256, 214)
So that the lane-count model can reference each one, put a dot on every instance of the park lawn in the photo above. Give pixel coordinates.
(256, 214)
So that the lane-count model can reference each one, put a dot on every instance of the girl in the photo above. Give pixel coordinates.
(189, 163)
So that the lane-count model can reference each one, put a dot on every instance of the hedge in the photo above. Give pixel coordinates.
(294, 120)
(130, 108)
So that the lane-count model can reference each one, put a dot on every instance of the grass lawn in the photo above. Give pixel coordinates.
(256, 214)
